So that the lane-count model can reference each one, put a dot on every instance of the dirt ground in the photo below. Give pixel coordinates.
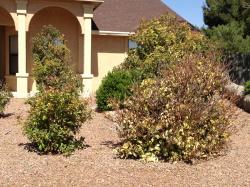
(98, 166)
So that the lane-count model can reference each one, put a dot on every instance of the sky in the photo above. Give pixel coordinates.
(191, 10)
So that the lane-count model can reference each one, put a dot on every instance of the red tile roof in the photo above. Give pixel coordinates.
(125, 15)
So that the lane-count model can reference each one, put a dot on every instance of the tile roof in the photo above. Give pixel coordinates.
(125, 15)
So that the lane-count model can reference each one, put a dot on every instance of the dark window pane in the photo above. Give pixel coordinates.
(13, 64)
(13, 50)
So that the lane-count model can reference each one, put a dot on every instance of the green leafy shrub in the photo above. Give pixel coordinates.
(56, 112)
(115, 86)
(247, 87)
(53, 74)
(5, 96)
(162, 41)
(181, 116)
(51, 61)
(55, 118)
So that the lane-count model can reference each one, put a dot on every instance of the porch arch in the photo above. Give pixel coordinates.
(8, 12)
(65, 22)
(74, 11)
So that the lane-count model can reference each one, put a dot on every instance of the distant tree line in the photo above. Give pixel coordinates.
(228, 23)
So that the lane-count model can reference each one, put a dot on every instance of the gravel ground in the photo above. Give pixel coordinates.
(97, 165)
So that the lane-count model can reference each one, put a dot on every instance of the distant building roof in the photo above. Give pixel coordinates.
(125, 15)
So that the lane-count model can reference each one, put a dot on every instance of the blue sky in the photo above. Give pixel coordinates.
(191, 10)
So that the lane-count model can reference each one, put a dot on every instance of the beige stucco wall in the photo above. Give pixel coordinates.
(107, 51)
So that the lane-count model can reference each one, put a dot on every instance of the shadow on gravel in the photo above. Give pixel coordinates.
(30, 147)
(2, 115)
(110, 144)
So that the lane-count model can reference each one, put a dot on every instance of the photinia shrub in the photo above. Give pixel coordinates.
(55, 118)
(51, 59)
(181, 116)
(161, 42)
(57, 112)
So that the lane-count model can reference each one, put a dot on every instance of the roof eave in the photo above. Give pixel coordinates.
(96, 3)
(112, 33)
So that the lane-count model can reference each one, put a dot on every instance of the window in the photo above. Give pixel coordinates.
(13, 55)
(132, 44)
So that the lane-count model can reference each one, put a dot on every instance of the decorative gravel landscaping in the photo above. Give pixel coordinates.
(97, 165)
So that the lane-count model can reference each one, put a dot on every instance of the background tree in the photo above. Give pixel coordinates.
(228, 23)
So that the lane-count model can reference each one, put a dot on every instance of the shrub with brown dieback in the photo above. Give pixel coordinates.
(181, 116)
(161, 42)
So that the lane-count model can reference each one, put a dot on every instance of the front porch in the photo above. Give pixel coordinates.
(20, 20)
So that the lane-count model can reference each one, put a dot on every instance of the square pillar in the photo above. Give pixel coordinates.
(22, 75)
(87, 76)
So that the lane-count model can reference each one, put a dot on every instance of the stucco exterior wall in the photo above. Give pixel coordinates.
(107, 52)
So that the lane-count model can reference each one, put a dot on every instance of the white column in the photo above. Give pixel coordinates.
(22, 75)
(87, 75)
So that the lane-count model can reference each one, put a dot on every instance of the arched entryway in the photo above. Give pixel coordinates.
(8, 44)
(65, 22)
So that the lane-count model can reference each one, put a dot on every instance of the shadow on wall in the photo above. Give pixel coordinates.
(95, 65)
(239, 68)
(2, 65)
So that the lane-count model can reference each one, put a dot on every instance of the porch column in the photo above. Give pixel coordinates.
(22, 75)
(87, 75)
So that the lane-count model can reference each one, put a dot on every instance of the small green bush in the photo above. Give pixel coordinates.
(56, 113)
(55, 118)
(247, 87)
(181, 116)
(115, 86)
(5, 96)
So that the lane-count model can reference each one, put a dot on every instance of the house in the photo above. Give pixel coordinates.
(97, 33)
